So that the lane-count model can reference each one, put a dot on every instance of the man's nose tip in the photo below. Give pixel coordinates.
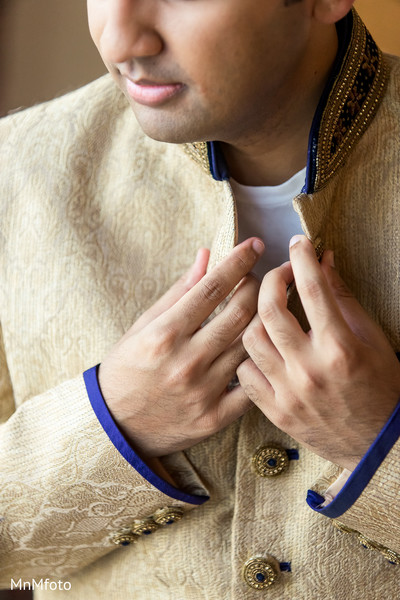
(120, 43)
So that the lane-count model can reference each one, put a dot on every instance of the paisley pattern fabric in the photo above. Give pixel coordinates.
(96, 222)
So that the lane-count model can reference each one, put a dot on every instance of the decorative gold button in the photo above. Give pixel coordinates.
(125, 539)
(168, 515)
(270, 461)
(259, 572)
(143, 526)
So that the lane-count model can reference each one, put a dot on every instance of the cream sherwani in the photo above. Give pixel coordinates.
(84, 197)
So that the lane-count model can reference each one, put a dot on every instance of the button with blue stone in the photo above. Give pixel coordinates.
(261, 572)
(168, 515)
(143, 526)
(125, 539)
(270, 461)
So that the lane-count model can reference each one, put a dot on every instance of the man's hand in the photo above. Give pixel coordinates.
(165, 382)
(333, 388)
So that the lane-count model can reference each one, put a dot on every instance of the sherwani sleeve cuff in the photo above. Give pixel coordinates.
(124, 448)
(359, 479)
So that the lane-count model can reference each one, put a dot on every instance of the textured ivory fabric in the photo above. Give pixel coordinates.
(96, 222)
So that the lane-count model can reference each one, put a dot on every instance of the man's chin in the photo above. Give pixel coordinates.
(166, 132)
(164, 126)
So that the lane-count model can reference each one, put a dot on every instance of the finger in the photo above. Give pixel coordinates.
(187, 315)
(178, 289)
(253, 383)
(321, 309)
(282, 327)
(261, 350)
(232, 405)
(223, 369)
(219, 333)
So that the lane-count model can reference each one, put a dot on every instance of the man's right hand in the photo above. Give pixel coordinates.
(165, 382)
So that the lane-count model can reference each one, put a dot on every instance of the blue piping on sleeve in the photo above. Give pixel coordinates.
(107, 422)
(363, 473)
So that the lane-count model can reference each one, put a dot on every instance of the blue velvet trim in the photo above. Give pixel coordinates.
(218, 166)
(293, 453)
(344, 29)
(285, 566)
(116, 437)
(363, 473)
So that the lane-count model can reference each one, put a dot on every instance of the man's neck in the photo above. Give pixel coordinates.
(278, 150)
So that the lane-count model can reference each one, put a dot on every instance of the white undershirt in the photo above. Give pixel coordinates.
(267, 212)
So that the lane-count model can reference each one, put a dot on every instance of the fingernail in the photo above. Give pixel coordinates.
(295, 240)
(258, 246)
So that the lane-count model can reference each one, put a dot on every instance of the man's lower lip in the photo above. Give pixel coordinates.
(152, 95)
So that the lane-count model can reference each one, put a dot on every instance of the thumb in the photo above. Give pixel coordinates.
(176, 291)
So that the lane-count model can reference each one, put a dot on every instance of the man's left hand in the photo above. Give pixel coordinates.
(333, 388)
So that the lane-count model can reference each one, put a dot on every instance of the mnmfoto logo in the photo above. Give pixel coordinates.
(42, 584)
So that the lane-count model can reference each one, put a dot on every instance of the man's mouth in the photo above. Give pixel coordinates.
(151, 93)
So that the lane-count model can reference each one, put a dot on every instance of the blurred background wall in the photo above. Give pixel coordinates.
(45, 47)
(46, 50)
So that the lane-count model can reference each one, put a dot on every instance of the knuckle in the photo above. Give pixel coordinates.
(161, 340)
(342, 290)
(181, 373)
(250, 390)
(267, 367)
(341, 358)
(311, 288)
(240, 315)
(212, 289)
(268, 311)
(285, 338)
(216, 337)
(283, 421)
(242, 262)
(310, 383)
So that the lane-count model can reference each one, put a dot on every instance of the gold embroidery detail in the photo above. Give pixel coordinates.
(199, 153)
(343, 528)
(352, 103)
(369, 544)
(319, 247)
